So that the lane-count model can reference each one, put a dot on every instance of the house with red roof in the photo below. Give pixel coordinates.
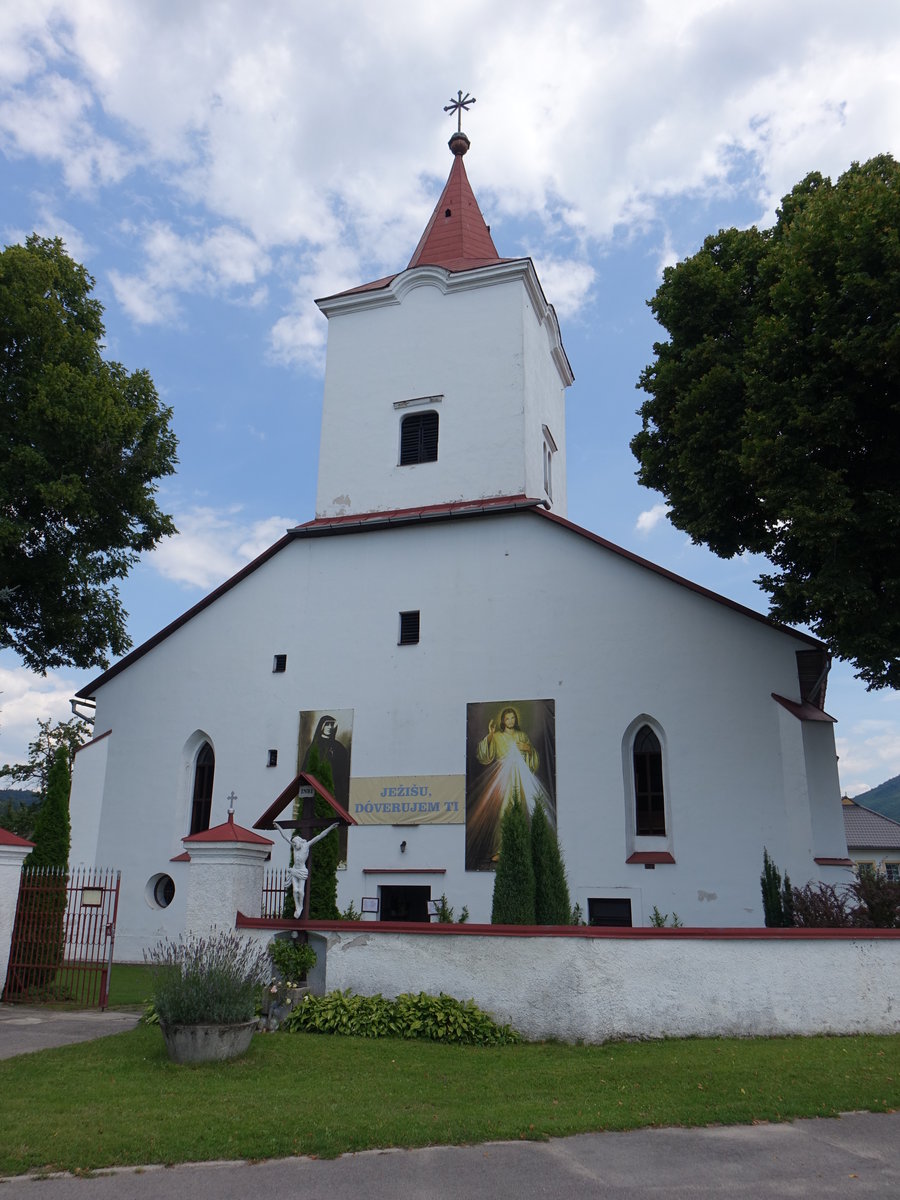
(451, 643)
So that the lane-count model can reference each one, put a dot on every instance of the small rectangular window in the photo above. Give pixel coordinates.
(607, 910)
(892, 872)
(279, 664)
(273, 759)
(409, 628)
(419, 438)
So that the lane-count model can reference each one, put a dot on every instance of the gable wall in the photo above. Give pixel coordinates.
(512, 608)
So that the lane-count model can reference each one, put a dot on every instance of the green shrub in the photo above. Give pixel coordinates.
(345, 1013)
(433, 1018)
(445, 914)
(552, 905)
(513, 902)
(777, 896)
(291, 958)
(211, 980)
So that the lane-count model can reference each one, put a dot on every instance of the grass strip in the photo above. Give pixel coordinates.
(120, 1101)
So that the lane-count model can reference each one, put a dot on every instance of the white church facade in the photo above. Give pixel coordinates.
(447, 637)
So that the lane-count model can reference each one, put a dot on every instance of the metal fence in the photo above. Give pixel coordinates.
(275, 882)
(63, 937)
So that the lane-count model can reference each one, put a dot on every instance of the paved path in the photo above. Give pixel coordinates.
(25, 1027)
(856, 1156)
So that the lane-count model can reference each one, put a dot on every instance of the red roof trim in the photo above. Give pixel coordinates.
(404, 870)
(182, 857)
(586, 932)
(803, 710)
(404, 516)
(93, 741)
(284, 798)
(228, 831)
(8, 838)
(650, 856)
(679, 579)
(834, 862)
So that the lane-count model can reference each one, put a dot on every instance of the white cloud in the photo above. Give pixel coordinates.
(223, 261)
(567, 281)
(26, 698)
(650, 518)
(212, 544)
(591, 115)
(868, 754)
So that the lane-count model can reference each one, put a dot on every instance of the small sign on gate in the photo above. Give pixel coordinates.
(91, 897)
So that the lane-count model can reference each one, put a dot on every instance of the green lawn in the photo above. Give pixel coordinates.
(120, 1101)
(129, 983)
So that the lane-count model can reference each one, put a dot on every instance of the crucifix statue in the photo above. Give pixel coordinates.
(299, 871)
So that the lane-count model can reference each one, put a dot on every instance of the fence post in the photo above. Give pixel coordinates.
(226, 875)
(13, 851)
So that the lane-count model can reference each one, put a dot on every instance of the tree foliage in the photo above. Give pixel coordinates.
(774, 413)
(552, 905)
(325, 855)
(777, 895)
(82, 444)
(52, 829)
(513, 902)
(42, 751)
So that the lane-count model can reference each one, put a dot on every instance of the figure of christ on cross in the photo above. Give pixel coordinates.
(299, 871)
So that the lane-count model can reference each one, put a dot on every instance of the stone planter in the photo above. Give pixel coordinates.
(207, 1043)
(277, 1008)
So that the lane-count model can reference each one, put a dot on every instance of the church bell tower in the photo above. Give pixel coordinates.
(446, 382)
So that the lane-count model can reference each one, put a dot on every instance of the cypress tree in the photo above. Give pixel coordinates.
(52, 829)
(514, 879)
(552, 905)
(325, 855)
(777, 896)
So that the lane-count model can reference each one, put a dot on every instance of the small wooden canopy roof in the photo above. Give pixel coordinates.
(304, 779)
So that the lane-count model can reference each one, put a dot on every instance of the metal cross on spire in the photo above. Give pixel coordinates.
(458, 105)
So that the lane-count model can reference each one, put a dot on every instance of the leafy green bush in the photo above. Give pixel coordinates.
(292, 958)
(434, 1018)
(212, 980)
(343, 1012)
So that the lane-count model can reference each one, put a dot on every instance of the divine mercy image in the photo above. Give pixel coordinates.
(510, 751)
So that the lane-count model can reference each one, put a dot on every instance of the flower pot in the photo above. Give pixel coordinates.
(207, 1043)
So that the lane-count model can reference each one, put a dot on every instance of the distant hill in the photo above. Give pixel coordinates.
(884, 799)
(19, 796)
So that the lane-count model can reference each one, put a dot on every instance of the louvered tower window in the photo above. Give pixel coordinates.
(419, 438)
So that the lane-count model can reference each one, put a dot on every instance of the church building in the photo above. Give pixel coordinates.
(447, 639)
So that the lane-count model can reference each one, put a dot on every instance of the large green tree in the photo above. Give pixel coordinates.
(82, 444)
(773, 422)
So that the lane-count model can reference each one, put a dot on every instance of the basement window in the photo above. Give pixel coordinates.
(279, 664)
(409, 628)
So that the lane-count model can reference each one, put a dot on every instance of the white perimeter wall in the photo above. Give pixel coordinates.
(667, 984)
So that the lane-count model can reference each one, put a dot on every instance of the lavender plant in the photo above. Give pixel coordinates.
(209, 980)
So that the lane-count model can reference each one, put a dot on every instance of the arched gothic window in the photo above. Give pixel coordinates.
(201, 805)
(649, 797)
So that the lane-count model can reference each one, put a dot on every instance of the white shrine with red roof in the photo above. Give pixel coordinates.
(452, 644)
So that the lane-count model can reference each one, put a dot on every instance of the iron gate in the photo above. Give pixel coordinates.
(63, 937)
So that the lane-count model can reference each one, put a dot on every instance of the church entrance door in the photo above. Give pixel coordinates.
(404, 903)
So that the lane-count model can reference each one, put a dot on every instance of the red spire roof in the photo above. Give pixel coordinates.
(456, 237)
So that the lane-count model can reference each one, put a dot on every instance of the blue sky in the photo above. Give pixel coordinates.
(218, 165)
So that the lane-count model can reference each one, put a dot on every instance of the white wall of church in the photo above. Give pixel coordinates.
(512, 607)
(484, 352)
